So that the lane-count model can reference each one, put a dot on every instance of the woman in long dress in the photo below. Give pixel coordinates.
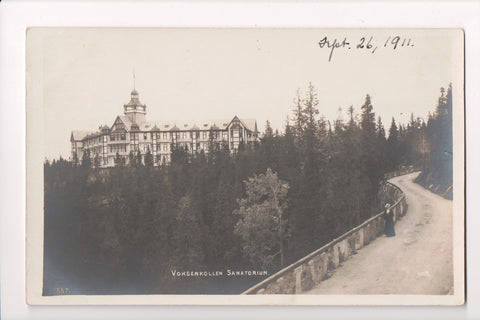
(389, 226)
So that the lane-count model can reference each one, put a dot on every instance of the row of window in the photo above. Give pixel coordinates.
(159, 159)
(165, 136)
(162, 159)
(93, 141)
(119, 126)
(118, 148)
(163, 147)
(118, 136)
(188, 135)
(95, 150)
(160, 147)
(144, 147)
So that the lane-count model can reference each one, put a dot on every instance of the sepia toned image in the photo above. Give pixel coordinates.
(245, 166)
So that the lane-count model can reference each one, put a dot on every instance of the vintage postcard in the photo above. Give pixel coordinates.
(210, 166)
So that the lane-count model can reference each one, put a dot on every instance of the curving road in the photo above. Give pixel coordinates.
(419, 260)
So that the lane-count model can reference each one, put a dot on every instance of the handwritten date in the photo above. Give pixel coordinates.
(365, 43)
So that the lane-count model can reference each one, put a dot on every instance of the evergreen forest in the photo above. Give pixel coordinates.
(127, 229)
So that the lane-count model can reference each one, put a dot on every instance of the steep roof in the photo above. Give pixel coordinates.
(187, 125)
(215, 124)
(78, 135)
(250, 124)
(126, 120)
(134, 100)
(145, 126)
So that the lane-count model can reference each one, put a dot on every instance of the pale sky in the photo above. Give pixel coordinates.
(196, 74)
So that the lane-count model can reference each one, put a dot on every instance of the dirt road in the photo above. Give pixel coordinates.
(419, 260)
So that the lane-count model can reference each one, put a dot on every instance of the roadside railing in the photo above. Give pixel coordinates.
(319, 265)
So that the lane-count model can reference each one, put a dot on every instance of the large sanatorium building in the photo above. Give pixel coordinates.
(132, 132)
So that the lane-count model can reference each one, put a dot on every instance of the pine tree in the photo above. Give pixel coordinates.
(380, 129)
(148, 158)
(267, 150)
(383, 156)
(96, 161)
(310, 109)
(138, 160)
(298, 116)
(132, 159)
(367, 123)
(119, 160)
(351, 121)
(213, 146)
(437, 146)
(393, 146)
(268, 130)
(75, 159)
(370, 157)
(86, 160)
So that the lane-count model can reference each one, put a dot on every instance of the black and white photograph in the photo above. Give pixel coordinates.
(245, 166)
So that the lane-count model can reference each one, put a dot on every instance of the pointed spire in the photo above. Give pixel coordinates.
(133, 71)
(134, 92)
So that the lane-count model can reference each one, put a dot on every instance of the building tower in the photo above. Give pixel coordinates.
(135, 110)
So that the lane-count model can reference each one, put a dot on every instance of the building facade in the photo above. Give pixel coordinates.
(132, 132)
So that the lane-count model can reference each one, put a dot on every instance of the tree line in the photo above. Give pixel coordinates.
(124, 229)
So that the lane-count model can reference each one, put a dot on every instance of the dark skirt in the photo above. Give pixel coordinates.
(389, 226)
